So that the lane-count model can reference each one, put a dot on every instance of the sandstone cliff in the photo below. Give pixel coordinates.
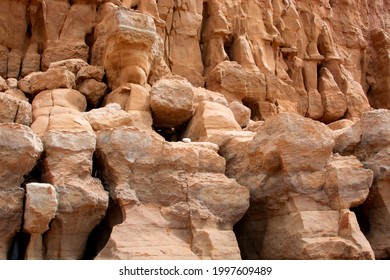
(194, 129)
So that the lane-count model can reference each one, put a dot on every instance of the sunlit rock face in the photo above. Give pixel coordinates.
(196, 129)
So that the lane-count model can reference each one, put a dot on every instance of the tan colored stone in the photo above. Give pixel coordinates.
(68, 98)
(340, 124)
(227, 78)
(40, 208)
(20, 150)
(12, 83)
(17, 94)
(13, 109)
(14, 63)
(173, 213)
(128, 46)
(297, 189)
(68, 166)
(3, 60)
(210, 118)
(135, 100)
(90, 72)
(73, 65)
(110, 116)
(333, 100)
(172, 102)
(93, 90)
(3, 84)
(202, 94)
(241, 113)
(52, 79)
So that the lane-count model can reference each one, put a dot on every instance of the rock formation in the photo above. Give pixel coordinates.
(194, 129)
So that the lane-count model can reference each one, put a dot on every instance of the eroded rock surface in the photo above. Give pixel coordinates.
(20, 149)
(144, 107)
(175, 200)
(300, 192)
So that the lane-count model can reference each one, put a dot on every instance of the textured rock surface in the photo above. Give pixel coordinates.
(20, 150)
(300, 192)
(369, 140)
(127, 96)
(177, 203)
(40, 208)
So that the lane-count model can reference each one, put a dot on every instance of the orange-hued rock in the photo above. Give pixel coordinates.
(210, 118)
(73, 65)
(20, 149)
(93, 90)
(69, 145)
(128, 49)
(40, 208)
(110, 116)
(297, 190)
(135, 100)
(184, 209)
(280, 95)
(14, 110)
(333, 100)
(68, 166)
(172, 102)
(228, 78)
(51, 79)
(369, 140)
(241, 113)
(182, 25)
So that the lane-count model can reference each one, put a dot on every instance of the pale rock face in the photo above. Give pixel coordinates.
(297, 190)
(333, 100)
(51, 79)
(20, 150)
(66, 26)
(73, 65)
(171, 101)
(12, 83)
(236, 73)
(228, 78)
(128, 49)
(210, 118)
(14, 110)
(202, 94)
(135, 100)
(60, 105)
(181, 35)
(3, 84)
(68, 166)
(241, 113)
(368, 139)
(40, 208)
(90, 72)
(110, 116)
(69, 145)
(178, 210)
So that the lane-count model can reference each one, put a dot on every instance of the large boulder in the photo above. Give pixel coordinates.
(300, 192)
(172, 102)
(175, 200)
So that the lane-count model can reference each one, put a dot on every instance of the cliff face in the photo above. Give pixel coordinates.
(195, 129)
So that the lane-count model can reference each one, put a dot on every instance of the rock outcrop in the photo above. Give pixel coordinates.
(20, 149)
(175, 200)
(300, 192)
(196, 129)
